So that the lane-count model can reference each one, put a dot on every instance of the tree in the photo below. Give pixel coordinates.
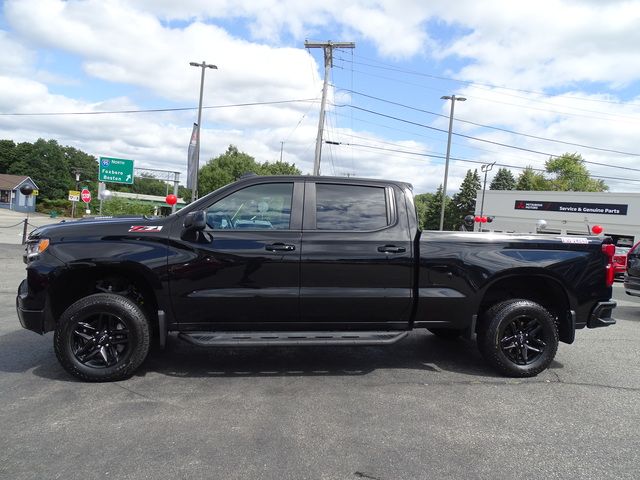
(432, 214)
(422, 204)
(464, 202)
(44, 161)
(570, 174)
(224, 169)
(531, 180)
(504, 180)
(232, 164)
(7, 154)
(279, 168)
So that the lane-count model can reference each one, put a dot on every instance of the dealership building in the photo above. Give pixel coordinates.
(562, 213)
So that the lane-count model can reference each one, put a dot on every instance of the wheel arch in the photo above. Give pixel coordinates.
(539, 287)
(82, 280)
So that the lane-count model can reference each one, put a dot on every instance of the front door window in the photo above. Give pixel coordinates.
(259, 207)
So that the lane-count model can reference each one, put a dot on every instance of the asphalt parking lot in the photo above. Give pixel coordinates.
(422, 408)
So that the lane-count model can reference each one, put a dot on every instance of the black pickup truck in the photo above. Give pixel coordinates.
(305, 261)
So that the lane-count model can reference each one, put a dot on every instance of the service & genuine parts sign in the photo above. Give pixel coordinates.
(573, 207)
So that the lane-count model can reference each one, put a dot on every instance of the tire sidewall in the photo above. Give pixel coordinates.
(128, 313)
(499, 318)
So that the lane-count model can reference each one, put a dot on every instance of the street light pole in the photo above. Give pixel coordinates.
(485, 168)
(453, 99)
(203, 65)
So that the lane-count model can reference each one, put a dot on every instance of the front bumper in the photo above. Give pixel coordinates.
(30, 317)
(601, 315)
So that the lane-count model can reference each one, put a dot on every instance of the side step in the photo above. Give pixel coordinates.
(257, 339)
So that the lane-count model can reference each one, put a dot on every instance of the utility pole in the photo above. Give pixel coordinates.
(328, 63)
(453, 99)
(281, 149)
(203, 65)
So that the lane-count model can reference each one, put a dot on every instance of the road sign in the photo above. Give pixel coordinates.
(74, 195)
(35, 192)
(85, 195)
(115, 170)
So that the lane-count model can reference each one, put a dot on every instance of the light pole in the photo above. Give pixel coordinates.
(453, 99)
(194, 184)
(485, 168)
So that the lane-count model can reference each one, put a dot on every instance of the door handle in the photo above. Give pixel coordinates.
(280, 247)
(391, 249)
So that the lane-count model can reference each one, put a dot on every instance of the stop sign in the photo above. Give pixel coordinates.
(85, 195)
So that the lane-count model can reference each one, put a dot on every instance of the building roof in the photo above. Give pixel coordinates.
(11, 182)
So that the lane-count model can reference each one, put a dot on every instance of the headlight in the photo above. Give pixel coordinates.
(36, 248)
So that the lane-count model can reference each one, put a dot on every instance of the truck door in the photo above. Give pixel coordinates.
(356, 263)
(242, 271)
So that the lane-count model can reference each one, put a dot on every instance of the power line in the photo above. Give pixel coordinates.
(492, 142)
(478, 162)
(475, 97)
(601, 149)
(156, 110)
(386, 66)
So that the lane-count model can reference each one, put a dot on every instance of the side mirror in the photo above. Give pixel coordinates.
(195, 221)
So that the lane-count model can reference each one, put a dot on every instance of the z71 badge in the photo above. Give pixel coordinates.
(145, 228)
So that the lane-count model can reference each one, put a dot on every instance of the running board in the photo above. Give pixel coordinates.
(257, 339)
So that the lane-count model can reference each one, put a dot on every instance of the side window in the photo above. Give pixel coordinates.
(265, 206)
(350, 207)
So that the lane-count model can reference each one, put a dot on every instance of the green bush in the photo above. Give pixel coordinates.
(122, 206)
(63, 207)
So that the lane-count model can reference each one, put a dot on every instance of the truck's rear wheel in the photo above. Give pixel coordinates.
(102, 337)
(518, 337)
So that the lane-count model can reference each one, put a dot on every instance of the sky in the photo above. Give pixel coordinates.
(540, 79)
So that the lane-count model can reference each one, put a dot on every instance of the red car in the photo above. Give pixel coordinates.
(620, 261)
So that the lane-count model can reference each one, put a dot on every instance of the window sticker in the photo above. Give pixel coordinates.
(574, 240)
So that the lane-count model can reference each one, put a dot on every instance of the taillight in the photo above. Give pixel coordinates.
(609, 250)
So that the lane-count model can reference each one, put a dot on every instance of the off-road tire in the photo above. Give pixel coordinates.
(80, 328)
(510, 331)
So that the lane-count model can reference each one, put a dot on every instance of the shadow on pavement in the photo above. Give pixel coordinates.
(22, 351)
(419, 351)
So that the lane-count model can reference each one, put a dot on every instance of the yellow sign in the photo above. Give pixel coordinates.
(34, 193)
(74, 195)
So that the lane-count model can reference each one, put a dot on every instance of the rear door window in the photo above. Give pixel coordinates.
(350, 207)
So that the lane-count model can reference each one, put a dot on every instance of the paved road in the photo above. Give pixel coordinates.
(422, 408)
(12, 224)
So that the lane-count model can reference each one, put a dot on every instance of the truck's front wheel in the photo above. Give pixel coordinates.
(518, 337)
(102, 337)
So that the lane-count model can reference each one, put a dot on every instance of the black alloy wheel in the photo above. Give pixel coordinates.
(523, 340)
(102, 337)
(519, 338)
(100, 341)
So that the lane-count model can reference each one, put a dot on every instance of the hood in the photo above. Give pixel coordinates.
(100, 226)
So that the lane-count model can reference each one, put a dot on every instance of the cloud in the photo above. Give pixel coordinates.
(538, 45)
(145, 46)
(16, 58)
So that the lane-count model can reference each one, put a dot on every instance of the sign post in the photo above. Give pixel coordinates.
(85, 195)
(116, 170)
(74, 198)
